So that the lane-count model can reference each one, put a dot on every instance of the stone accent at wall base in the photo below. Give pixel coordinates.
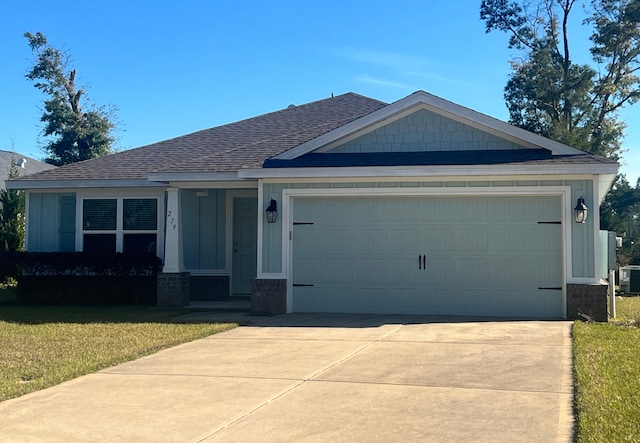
(209, 287)
(173, 289)
(587, 302)
(268, 296)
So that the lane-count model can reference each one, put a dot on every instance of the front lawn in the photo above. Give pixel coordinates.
(41, 346)
(607, 376)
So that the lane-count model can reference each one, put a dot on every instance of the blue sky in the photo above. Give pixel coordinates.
(176, 67)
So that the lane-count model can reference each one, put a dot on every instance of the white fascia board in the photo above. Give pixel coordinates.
(423, 100)
(431, 171)
(192, 176)
(236, 184)
(81, 184)
(604, 181)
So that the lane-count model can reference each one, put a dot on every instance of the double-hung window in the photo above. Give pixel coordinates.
(128, 225)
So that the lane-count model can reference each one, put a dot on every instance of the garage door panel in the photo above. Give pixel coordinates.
(471, 239)
(434, 210)
(474, 272)
(373, 299)
(438, 238)
(370, 239)
(403, 240)
(511, 237)
(327, 299)
(484, 256)
(372, 269)
(323, 270)
(471, 210)
(325, 240)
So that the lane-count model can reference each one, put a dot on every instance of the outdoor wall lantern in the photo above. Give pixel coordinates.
(581, 211)
(272, 211)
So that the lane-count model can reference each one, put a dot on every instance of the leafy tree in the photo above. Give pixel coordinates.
(12, 216)
(620, 212)
(74, 134)
(547, 92)
(576, 104)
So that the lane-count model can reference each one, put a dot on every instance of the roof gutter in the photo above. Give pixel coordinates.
(431, 171)
(81, 184)
(167, 177)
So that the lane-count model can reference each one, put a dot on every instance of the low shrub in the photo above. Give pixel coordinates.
(82, 278)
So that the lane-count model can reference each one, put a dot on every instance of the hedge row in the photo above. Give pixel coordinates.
(82, 278)
(15, 264)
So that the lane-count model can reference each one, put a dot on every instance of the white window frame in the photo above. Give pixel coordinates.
(120, 231)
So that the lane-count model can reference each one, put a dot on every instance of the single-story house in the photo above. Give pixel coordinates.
(346, 205)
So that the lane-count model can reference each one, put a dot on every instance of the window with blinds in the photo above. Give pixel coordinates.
(99, 214)
(128, 225)
(140, 214)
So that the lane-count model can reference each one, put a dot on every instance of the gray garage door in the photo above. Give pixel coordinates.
(485, 256)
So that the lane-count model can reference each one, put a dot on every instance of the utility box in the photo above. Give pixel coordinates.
(630, 279)
(608, 248)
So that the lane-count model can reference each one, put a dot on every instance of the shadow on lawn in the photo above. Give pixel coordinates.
(14, 312)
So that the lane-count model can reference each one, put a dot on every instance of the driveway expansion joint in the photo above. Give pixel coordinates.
(310, 377)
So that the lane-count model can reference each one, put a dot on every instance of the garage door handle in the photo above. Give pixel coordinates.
(553, 288)
(295, 285)
(422, 261)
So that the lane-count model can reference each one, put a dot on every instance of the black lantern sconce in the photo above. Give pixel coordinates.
(272, 211)
(581, 211)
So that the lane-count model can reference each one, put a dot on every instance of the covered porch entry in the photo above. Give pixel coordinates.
(211, 242)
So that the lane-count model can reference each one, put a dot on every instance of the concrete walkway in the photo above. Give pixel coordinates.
(322, 378)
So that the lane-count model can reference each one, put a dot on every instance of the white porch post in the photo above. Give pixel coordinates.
(173, 261)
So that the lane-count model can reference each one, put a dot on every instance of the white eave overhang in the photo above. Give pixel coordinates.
(81, 184)
(423, 100)
(168, 177)
(432, 171)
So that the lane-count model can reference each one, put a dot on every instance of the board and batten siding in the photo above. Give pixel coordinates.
(51, 226)
(425, 131)
(204, 227)
(582, 238)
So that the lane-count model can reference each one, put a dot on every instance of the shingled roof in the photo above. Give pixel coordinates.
(24, 165)
(228, 148)
(288, 139)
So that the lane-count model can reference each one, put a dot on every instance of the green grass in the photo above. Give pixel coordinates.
(607, 376)
(41, 346)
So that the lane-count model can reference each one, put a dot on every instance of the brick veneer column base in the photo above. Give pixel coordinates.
(173, 289)
(268, 297)
(587, 299)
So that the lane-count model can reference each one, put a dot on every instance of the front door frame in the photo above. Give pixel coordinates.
(232, 194)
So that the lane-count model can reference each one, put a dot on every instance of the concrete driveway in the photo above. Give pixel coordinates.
(322, 378)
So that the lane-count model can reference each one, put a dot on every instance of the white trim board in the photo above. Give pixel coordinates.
(82, 184)
(244, 184)
(192, 176)
(506, 170)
